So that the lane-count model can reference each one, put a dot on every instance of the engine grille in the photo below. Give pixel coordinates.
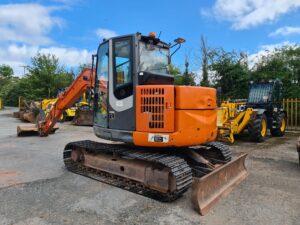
(155, 108)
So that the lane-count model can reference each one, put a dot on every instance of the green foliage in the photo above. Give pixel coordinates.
(283, 63)
(6, 71)
(182, 79)
(45, 78)
(188, 79)
(230, 73)
(177, 74)
(204, 55)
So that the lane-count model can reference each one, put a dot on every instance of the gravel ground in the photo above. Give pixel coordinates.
(35, 188)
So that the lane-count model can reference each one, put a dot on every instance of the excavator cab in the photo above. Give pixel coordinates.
(136, 101)
(122, 64)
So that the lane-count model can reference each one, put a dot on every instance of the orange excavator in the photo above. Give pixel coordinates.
(168, 132)
(46, 124)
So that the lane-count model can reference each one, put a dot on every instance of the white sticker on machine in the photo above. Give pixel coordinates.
(164, 138)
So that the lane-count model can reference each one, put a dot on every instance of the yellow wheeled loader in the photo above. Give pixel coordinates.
(233, 117)
(261, 111)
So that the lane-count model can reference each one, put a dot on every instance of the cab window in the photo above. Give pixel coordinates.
(122, 60)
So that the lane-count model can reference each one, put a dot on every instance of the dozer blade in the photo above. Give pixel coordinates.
(209, 189)
(83, 118)
(30, 129)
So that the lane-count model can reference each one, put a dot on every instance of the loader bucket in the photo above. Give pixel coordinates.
(30, 130)
(83, 118)
(209, 189)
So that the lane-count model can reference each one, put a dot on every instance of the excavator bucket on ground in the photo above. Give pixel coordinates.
(31, 129)
(209, 189)
(83, 117)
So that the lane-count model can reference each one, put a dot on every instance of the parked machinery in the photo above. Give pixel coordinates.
(84, 112)
(28, 110)
(68, 114)
(1, 104)
(168, 131)
(261, 111)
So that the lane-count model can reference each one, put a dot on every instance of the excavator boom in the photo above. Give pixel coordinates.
(65, 100)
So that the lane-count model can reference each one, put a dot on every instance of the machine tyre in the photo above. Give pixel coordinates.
(257, 128)
(279, 131)
(63, 117)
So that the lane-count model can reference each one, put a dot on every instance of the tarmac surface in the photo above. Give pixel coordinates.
(36, 189)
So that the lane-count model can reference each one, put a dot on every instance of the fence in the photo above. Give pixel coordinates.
(292, 107)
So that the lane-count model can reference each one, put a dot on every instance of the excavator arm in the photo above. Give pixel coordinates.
(65, 100)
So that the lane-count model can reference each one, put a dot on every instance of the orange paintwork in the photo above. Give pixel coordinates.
(195, 122)
(68, 98)
(188, 97)
(155, 108)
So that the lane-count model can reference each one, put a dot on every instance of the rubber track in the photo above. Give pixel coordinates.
(223, 149)
(217, 153)
(178, 166)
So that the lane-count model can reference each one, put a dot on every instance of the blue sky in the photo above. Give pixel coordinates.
(73, 29)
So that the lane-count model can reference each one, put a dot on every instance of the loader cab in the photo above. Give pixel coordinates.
(265, 95)
(266, 98)
(123, 63)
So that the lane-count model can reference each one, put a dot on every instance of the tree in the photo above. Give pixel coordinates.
(282, 63)
(47, 77)
(175, 71)
(6, 72)
(204, 64)
(229, 73)
(187, 77)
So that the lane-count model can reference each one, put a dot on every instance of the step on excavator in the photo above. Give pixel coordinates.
(167, 132)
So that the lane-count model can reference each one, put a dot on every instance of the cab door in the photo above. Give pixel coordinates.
(101, 87)
(121, 112)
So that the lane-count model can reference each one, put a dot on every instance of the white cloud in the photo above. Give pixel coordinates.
(25, 31)
(244, 14)
(18, 55)
(105, 33)
(266, 50)
(27, 23)
(285, 31)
